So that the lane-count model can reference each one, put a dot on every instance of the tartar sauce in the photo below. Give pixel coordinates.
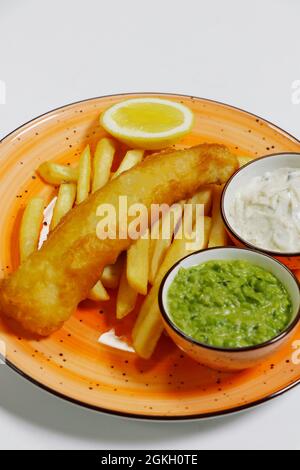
(266, 212)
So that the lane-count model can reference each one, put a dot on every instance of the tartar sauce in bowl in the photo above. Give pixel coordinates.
(266, 211)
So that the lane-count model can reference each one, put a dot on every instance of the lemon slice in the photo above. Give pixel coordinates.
(148, 123)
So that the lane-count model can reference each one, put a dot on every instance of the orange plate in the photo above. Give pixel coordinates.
(71, 363)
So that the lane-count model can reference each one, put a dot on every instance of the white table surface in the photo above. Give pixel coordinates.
(242, 52)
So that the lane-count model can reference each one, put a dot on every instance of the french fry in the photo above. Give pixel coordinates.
(30, 227)
(103, 160)
(244, 160)
(64, 203)
(149, 327)
(203, 196)
(127, 296)
(157, 247)
(154, 236)
(110, 279)
(218, 235)
(138, 264)
(56, 174)
(98, 293)
(84, 176)
(160, 246)
(105, 157)
(111, 274)
(132, 158)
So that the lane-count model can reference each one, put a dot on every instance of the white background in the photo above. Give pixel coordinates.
(243, 52)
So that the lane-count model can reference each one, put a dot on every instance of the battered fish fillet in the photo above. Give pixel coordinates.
(48, 286)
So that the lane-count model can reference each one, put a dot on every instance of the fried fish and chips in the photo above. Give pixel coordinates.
(46, 289)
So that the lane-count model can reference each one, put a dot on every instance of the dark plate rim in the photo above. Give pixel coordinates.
(114, 95)
(145, 417)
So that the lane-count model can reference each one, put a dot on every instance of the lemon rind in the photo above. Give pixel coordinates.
(110, 125)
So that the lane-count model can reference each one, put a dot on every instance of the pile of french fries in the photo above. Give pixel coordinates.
(141, 269)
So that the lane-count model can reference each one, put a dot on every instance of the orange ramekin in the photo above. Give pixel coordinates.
(238, 358)
(242, 177)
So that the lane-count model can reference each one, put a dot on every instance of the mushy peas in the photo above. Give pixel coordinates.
(229, 304)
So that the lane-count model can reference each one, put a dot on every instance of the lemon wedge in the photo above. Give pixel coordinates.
(148, 123)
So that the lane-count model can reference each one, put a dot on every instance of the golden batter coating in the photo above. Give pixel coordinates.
(48, 286)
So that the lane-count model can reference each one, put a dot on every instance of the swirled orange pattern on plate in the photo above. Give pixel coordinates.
(71, 363)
